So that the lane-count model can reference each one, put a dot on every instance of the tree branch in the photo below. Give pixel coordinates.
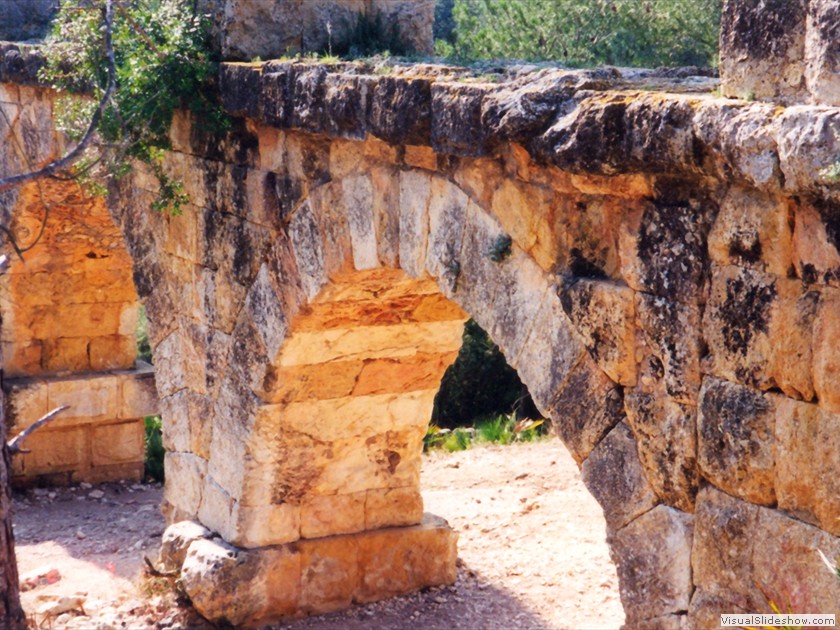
(16, 444)
(66, 161)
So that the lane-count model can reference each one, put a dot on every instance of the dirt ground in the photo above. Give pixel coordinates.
(532, 552)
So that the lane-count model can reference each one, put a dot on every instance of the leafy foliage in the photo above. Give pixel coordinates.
(370, 35)
(644, 33)
(479, 383)
(163, 63)
(501, 429)
(154, 448)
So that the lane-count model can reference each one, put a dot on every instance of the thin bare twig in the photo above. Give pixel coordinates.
(16, 444)
(65, 162)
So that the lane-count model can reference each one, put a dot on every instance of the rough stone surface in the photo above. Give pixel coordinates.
(735, 543)
(254, 587)
(735, 448)
(614, 475)
(273, 28)
(653, 560)
(176, 541)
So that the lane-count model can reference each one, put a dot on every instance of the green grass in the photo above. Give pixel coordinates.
(500, 429)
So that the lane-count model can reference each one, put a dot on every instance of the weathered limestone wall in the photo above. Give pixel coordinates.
(787, 51)
(271, 28)
(660, 268)
(69, 315)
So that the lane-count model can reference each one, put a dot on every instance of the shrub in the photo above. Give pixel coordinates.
(480, 383)
(589, 32)
(154, 448)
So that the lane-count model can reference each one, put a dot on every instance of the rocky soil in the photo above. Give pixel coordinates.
(532, 552)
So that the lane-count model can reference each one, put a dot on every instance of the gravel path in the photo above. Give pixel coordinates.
(532, 552)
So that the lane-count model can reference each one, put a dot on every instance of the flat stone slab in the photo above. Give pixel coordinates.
(252, 587)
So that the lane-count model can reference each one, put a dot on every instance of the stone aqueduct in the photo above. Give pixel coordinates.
(661, 266)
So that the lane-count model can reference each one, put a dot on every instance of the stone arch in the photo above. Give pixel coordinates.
(280, 217)
(337, 256)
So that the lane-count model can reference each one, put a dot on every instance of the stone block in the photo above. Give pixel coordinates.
(822, 51)
(550, 352)
(308, 249)
(735, 449)
(725, 537)
(807, 472)
(26, 402)
(112, 352)
(68, 354)
(737, 326)
(327, 515)
(321, 381)
(826, 366)
(180, 360)
(671, 331)
(372, 342)
(752, 229)
(653, 562)
(792, 331)
(117, 443)
(358, 200)
(215, 506)
(447, 215)
(604, 317)
(665, 432)
(399, 560)
(57, 450)
(386, 214)
(815, 255)
(329, 573)
(75, 320)
(254, 587)
(663, 249)
(418, 373)
(22, 359)
(457, 128)
(477, 271)
(401, 111)
(90, 397)
(393, 507)
(587, 406)
(258, 526)
(787, 567)
(615, 477)
(521, 209)
(138, 394)
(241, 588)
(762, 50)
(521, 288)
(185, 474)
(415, 193)
(421, 157)
(176, 540)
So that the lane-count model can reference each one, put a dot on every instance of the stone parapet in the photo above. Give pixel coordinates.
(785, 52)
(253, 587)
(99, 438)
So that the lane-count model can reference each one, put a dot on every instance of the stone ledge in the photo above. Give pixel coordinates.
(252, 587)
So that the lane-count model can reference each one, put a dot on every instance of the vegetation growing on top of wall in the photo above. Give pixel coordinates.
(163, 62)
(644, 33)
